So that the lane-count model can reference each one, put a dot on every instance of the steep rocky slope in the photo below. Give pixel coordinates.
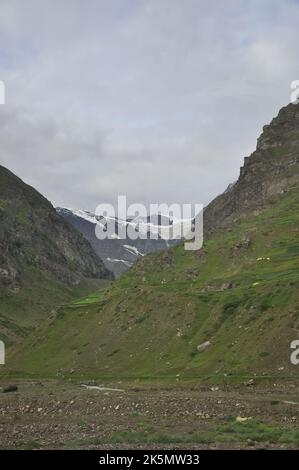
(238, 295)
(37, 248)
(271, 170)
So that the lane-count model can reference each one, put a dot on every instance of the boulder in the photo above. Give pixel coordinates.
(203, 346)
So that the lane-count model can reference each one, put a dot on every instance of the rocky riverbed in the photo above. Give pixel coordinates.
(58, 415)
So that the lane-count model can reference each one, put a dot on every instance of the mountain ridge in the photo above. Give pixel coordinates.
(118, 254)
(260, 178)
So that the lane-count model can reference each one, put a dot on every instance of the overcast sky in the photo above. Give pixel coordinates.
(156, 99)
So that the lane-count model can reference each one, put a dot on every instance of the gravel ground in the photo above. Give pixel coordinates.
(60, 415)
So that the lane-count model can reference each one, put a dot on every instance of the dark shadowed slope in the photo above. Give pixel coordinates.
(41, 257)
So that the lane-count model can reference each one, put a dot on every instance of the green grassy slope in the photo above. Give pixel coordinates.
(240, 292)
(23, 309)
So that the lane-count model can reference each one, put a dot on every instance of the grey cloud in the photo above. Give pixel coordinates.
(156, 99)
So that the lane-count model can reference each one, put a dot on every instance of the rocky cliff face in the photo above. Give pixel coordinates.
(33, 235)
(271, 170)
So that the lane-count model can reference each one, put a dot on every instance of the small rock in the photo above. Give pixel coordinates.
(228, 285)
(10, 388)
(241, 419)
(250, 383)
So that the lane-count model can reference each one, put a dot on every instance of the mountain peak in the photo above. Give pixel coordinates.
(280, 129)
(272, 169)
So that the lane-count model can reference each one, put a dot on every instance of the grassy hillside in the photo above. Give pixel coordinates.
(24, 308)
(240, 292)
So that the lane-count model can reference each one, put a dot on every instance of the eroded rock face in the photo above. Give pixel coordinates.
(32, 234)
(8, 276)
(272, 169)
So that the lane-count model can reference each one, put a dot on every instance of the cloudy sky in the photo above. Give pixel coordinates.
(156, 99)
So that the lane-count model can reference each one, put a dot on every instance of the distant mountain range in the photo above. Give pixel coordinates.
(120, 254)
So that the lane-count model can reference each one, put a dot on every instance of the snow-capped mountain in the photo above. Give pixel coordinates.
(118, 253)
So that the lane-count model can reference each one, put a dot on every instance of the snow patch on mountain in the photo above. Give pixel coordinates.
(133, 250)
(86, 215)
(111, 260)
